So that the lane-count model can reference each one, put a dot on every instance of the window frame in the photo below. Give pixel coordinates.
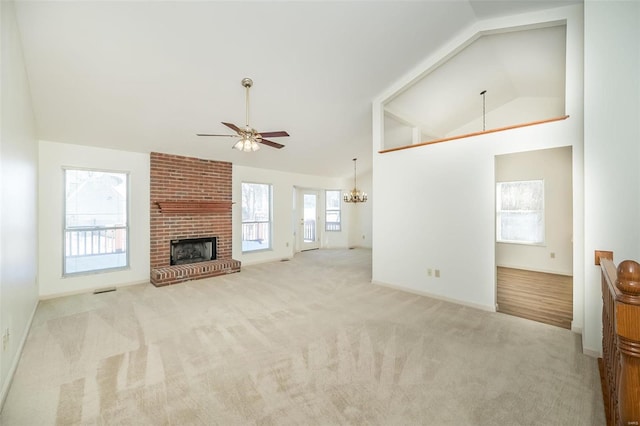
(327, 210)
(270, 221)
(92, 229)
(499, 211)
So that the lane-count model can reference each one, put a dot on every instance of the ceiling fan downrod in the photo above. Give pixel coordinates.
(247, 83)
(250, 138)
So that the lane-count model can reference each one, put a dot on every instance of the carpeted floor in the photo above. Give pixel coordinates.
(305, 342)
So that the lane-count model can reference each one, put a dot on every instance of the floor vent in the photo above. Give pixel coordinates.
(284, 260)
(104, 290)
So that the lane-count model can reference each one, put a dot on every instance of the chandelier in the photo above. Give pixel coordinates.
(355, 196)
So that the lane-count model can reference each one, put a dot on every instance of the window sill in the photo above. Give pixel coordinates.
(521, 243)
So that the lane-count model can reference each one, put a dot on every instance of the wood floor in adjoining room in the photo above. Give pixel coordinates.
(538, 296)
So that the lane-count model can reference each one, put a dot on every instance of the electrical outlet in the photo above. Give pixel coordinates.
(287, 243)
(437, 273)
(429, 272)
(363, 237)
(552, 255)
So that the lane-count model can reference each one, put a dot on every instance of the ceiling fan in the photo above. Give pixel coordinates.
(250, 137)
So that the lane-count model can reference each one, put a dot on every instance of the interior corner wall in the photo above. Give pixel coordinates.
(18, 198)
(53, 158)
(611, 146)
(284, 212)
(435, 205)
(396, 133)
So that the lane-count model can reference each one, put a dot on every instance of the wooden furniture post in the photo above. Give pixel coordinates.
(621, 342)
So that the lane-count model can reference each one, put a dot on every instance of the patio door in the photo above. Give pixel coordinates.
(308, 229)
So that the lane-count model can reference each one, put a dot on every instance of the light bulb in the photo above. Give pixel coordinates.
(246, 145)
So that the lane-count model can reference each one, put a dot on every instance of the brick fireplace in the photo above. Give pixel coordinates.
(190, 200)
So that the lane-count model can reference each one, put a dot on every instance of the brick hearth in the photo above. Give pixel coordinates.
(198, 193)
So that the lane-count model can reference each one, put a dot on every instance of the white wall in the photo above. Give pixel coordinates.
(284, 214)
(435, 205)
(518, 111)
(435, 209)
(396, 133)
(18, 199)
(554, 167)
(53, 157)
(612, 145)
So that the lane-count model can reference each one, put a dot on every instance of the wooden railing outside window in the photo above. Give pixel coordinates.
(620, 363)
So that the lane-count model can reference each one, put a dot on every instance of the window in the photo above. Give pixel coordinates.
(332, 211)
(520, 212)
(256, 216)
(96, 232)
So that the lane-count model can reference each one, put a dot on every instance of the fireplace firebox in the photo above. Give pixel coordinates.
(193, 250)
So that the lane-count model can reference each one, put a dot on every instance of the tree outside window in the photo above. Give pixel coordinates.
(333, 220)
(256, 216)
(520, 212)
(96, 221)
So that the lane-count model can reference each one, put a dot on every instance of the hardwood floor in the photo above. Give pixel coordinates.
(537, 296)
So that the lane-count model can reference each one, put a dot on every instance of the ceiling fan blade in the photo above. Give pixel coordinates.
(226, 136)
(270, 143)
(278, 134)
(232, 127)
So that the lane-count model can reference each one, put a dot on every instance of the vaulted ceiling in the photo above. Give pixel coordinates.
(147, 76)
(511, 77)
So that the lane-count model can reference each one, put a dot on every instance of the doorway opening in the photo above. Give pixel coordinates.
(534, 235)
(309, 229)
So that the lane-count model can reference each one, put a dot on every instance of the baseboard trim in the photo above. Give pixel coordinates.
(544, 271)
(487, 308)
(91, 290)
(591, 353)
(263, 261)
(576, 329)
(16, 360)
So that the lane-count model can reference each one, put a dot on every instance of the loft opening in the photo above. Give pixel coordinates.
(522, 73)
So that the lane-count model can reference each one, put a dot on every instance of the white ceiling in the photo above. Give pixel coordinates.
(147, 76)
(527, 64)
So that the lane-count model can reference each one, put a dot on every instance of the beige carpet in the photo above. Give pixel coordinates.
(304, 342)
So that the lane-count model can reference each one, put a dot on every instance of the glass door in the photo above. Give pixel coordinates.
(308, 238)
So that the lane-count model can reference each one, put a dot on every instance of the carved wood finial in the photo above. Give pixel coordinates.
(628, 281)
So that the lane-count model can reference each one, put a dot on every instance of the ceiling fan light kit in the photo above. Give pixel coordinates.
(355, 196)
(246, 145)
(250, 138)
